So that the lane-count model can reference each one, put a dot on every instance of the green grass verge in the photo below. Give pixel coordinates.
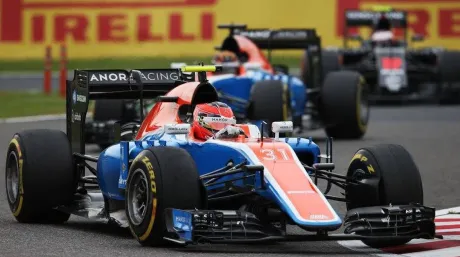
(20, 104)
(17, 104)
(34, 65)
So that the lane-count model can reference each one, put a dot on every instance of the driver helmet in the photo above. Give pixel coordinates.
(382, 29)
(228, 60)
(209, 118)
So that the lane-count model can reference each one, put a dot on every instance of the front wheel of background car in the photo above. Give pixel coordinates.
(39, 176)
(156, 183)
(389, 176)
(344, 107)
(270, 102)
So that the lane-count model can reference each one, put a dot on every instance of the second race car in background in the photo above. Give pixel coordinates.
(393, 70)
(260, 91)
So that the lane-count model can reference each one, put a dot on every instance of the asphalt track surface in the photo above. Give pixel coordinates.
(430, 133)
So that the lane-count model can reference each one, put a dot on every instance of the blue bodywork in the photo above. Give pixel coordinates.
(239, 87)
(209, 156)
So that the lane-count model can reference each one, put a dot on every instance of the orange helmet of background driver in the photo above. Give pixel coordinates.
(205, 129)
(225, 56)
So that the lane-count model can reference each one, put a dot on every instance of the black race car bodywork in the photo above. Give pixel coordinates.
(392, 69)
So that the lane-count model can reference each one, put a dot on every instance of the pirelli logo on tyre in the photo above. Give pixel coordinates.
(363, 159)
(153, 188)
(148, 164)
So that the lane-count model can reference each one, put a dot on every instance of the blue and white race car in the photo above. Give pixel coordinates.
(258, 90)
(167, 185)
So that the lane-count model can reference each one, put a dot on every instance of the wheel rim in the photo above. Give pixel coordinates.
(12, 177)
(138, 197)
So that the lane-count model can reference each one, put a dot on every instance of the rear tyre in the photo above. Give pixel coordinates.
(329, 63)
(270, 102)
(390, 176)
(159, 178)
(38, 160)
(449, 65)
(344, 107)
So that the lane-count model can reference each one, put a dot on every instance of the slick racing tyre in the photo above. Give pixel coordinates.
(344, 107)
(449, 66)
(270, 102)
(160, 177)
(390, 176)
(39, 176)
(329, 63)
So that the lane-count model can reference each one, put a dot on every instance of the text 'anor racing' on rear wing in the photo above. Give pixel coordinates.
(113, 84)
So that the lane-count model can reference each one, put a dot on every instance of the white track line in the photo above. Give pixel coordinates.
(37, 118)
(452, 210)
(446, 252)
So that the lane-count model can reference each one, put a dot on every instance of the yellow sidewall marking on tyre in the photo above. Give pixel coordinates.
(21, 187)
(362, 127)
(153, 188)
(370, 168)
(363, 159)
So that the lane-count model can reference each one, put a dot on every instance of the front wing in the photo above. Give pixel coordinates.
(225, 226)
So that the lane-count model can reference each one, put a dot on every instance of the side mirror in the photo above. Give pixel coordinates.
(417, 38)
(282, 127)
(355, 37)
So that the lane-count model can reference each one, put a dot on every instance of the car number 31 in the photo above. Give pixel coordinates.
(274, 154)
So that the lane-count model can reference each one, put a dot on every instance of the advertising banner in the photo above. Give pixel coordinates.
(146, 28)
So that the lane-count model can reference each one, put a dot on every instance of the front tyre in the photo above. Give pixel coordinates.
(159, 178)
(389, 176)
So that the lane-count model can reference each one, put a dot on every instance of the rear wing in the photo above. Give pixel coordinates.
(362, 18)
(357, 18)
(283, 39)
(113, 84)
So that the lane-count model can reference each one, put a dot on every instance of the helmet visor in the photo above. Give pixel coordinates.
(215, 123)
